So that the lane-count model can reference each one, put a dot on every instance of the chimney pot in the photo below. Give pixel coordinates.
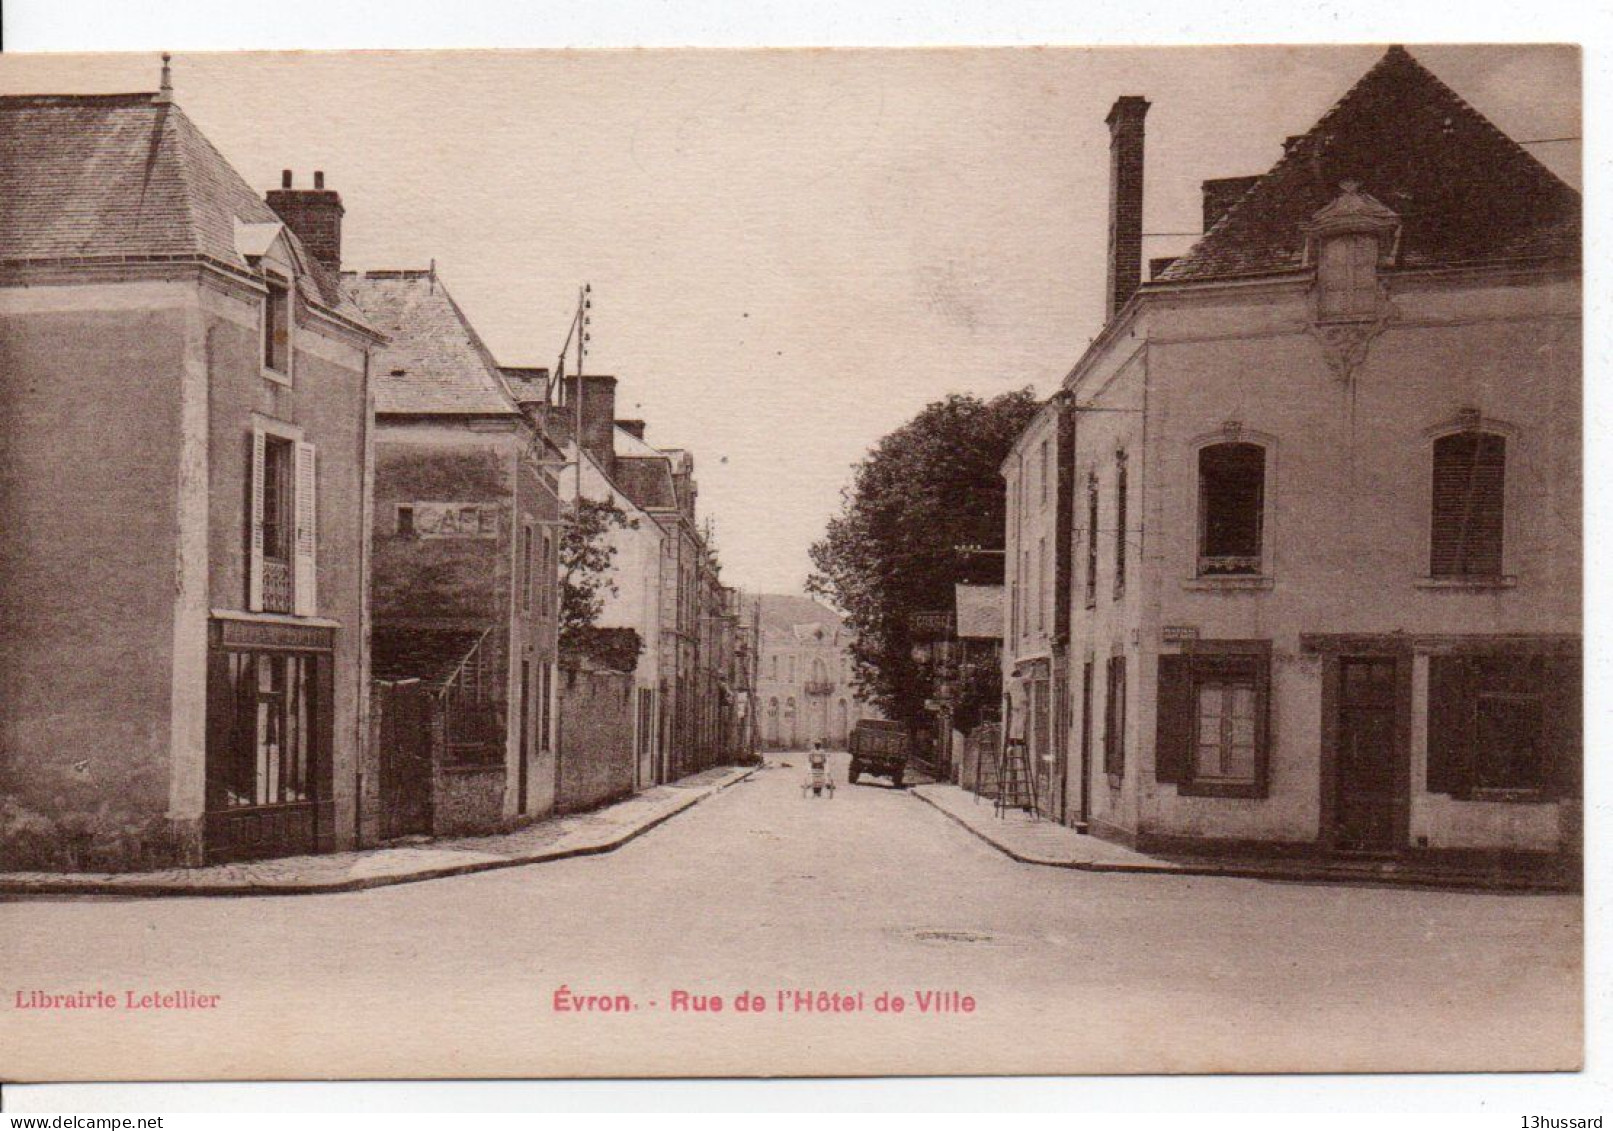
(315, 215)
(319, 178)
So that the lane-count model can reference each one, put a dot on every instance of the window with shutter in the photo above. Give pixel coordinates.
(277, 326)
(1469, 495)
(1114, 730)
(1120, 523)
(1348, 276)
(1232, 498)
(1092, 540)
(305, 582)
(1503, 727)
(272, 523)
(1212, 730)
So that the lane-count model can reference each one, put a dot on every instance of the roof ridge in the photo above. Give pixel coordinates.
(171, 112)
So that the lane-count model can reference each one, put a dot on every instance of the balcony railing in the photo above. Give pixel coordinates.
(820, 687)
(1229, 565)
(276, 586)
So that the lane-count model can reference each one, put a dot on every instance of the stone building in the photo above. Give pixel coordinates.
(184, 485)
(803, 676)
(464, 565)
(1326, 537)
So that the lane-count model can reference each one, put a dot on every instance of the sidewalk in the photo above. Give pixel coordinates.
(1035, 841)
(582, 834)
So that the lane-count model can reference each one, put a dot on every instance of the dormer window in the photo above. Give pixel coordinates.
(277, 326)
(1348, 241)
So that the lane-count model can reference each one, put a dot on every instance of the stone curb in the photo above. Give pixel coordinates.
(1277, 872)
(362, 883)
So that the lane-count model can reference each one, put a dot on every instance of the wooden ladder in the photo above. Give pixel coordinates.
(1015, 789)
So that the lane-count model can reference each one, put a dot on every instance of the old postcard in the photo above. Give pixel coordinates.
(790, 562)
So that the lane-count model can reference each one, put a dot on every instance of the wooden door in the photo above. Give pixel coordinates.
(1368, 785)
(405, 759)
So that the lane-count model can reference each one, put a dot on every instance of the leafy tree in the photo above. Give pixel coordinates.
(926, 489)
(587, 553)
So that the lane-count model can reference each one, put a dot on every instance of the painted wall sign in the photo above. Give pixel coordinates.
(1179, 632)
(455, 520)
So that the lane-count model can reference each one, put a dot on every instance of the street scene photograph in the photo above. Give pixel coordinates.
(539, 564)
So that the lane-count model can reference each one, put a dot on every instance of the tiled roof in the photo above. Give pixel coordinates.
(435, 363)
(430, 655)
(980, 611)
(647, 480)
(118, 176)
(1464, 191)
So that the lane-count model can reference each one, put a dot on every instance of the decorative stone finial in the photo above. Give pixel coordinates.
(165, 92)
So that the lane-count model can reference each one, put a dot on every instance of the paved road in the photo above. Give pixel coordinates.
(759, 889)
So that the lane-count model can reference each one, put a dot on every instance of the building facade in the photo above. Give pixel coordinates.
(1326, 544)
(183, 498)
(466, 605)
(632, 600)
(803, 676)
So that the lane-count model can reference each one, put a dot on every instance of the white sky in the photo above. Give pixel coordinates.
(791, 251)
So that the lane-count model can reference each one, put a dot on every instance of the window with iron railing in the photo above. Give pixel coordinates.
(1232, 499)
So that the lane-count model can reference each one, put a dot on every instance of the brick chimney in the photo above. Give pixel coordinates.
(314, 214)
(1221, 194)
(598, 417)
(632, 427)
(1125, 123)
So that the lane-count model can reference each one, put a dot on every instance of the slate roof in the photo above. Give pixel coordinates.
(980, 611)
(1464, 191)
(435, 363)
(430, 655)
(120, 177)
(647, 480)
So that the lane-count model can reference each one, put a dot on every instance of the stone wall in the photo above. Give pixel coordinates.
(596, 738)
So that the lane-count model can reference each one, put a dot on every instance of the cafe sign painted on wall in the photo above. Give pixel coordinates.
(456, 520)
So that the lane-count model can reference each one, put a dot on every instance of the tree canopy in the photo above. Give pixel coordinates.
(587, 555)
(925, 490)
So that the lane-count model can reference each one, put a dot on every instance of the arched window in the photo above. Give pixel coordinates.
(772, 722)
(1469, 495)
(1232, 502)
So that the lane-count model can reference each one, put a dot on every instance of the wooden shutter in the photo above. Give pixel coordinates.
(1173, 731)
(255, 473)
(305, 591)
(1469, 498)
(1564, 744)
(1450, 725)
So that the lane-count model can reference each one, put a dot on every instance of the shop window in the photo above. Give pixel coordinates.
(272, 740)
(1469, 492)
(1232, 498)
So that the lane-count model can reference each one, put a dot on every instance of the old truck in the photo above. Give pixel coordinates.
(879, 749)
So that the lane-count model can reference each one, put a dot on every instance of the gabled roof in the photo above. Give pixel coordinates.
(647, 480)
(1464, 191)
(435, 363)
(121, 177)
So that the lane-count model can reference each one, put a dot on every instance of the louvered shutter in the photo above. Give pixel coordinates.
(1173, 731)
(254, 599)
(1469, 500)
(1450, 725)
(305, 592)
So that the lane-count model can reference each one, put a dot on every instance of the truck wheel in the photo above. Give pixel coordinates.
(854, 773)
(896, 779)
